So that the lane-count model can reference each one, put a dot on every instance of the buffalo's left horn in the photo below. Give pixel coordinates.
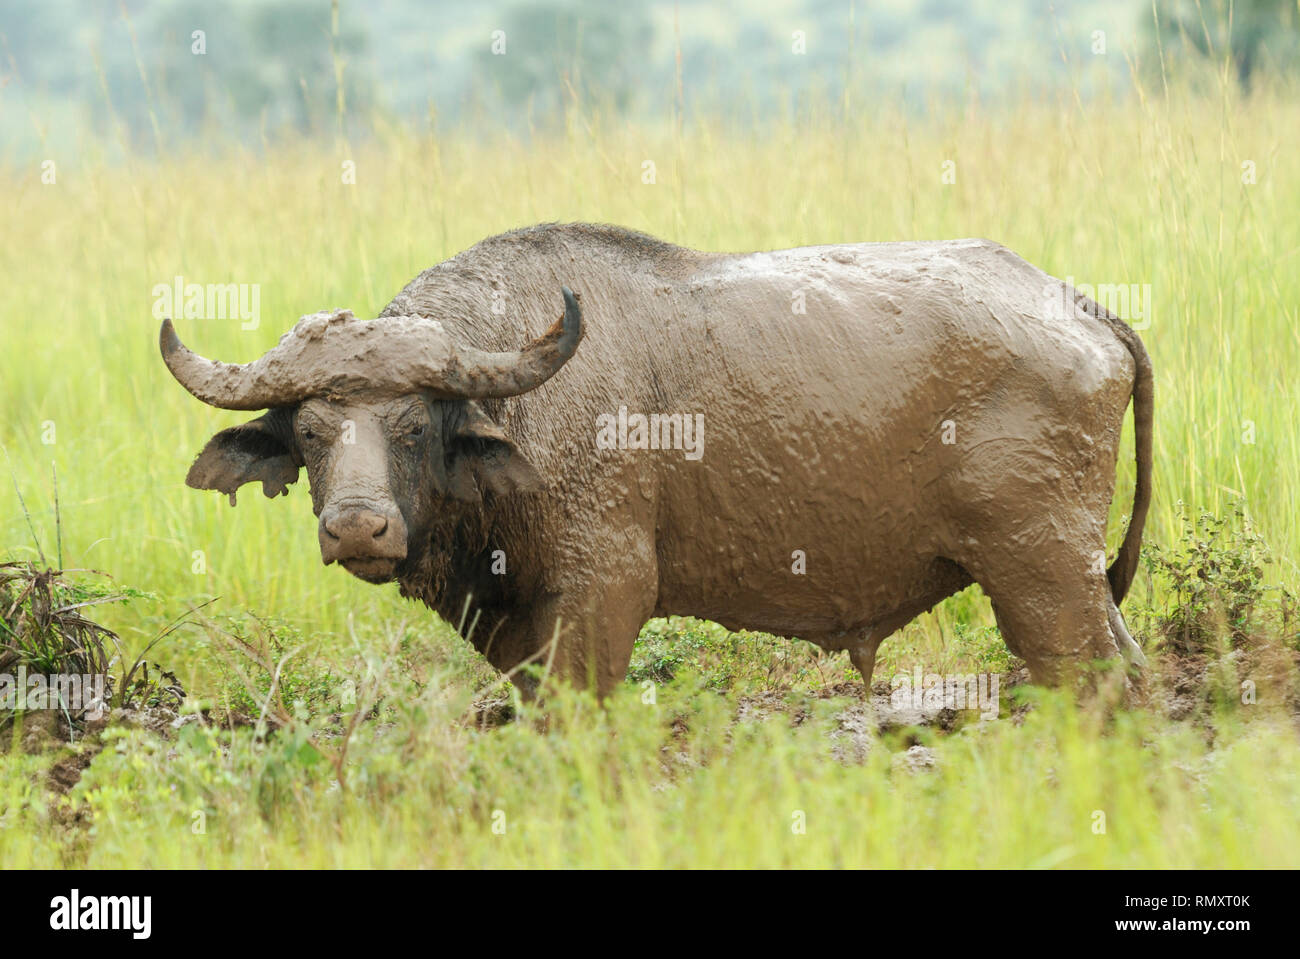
(476, 374)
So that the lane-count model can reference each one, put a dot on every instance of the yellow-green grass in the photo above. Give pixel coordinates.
(1140, 191)
(621, 787)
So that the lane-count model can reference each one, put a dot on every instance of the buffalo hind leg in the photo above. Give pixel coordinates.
(1055, 642)
(1052, 606)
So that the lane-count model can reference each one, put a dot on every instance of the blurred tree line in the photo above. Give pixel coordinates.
(252, 68)
(1246, 34)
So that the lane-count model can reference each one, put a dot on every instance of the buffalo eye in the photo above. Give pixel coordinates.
(309, 429)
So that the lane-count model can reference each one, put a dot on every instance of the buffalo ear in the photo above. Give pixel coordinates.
(484, 457)
(262, 449)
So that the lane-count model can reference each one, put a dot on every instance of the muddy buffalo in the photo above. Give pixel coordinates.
(821, 442)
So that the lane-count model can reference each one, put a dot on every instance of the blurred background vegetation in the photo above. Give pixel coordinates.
(257, 70)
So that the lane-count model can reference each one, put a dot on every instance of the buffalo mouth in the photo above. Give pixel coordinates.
(372, 569)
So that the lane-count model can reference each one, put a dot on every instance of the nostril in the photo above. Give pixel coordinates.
(355, 526)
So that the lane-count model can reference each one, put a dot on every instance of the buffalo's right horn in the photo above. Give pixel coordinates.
(333, 353)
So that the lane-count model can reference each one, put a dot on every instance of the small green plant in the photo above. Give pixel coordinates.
(42, 626)
(269, 670)
(726, 660)
(43, 630)
(664, 647)
(1213, 580)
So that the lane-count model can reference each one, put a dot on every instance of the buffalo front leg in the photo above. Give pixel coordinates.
(587, 636)
(589, 626)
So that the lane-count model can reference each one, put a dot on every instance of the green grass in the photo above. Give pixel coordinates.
(677, 784)
(1147, 191)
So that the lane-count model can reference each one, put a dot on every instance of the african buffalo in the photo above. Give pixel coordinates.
(876, 426)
